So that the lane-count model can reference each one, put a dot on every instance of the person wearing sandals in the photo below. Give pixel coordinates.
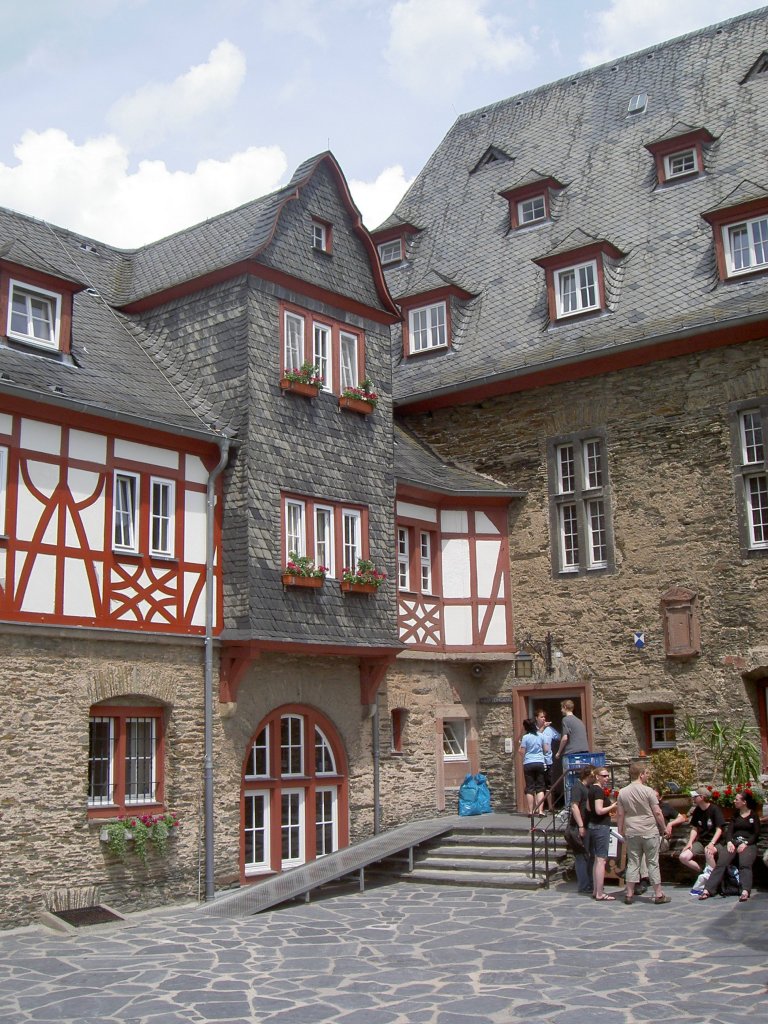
(641, 823)
(741, 846)
(600, 808)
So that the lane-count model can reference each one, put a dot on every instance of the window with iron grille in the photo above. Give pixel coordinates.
(580, 505)
(124, 757)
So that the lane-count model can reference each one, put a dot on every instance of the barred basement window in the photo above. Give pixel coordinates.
(124, 757)
(580, 508)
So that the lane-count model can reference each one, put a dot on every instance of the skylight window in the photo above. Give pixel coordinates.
(638, 103)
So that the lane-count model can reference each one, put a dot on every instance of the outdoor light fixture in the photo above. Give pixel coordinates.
(523, 666)
(541, 647)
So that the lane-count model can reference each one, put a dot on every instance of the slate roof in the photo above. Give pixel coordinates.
(578, 131)
(107, 346)
(418, 465)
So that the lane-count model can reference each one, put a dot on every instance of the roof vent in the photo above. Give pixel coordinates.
(88, 247)
(492, 155)
(638, 103)
(759, 69)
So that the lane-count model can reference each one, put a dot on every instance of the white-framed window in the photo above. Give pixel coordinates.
(425, 561)
(403, 559)
(292, 845)
(161, 516)
(752, 476)
(326, 821)
(677, 165)
(321, 236)
(322, 353)
(427, 327)
(125, 511)
(257, 762)
(454, 739)
(325, 763)
(351, 537)
(391, 252)
(291, 745)
(295, 528)
(348, 358)
(576, 289)
(3, 487)
(324, 538)
(661, 729)
(746, 245)
(294, 341)
(579, 502)
(256, 832)
(34, 315)
(531, 210)
(123, 745)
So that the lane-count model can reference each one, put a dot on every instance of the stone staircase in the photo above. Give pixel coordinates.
(478, 854)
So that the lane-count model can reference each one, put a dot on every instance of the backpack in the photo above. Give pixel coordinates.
(730, 883)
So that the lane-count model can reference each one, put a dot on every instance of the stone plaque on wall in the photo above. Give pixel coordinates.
(680, 617)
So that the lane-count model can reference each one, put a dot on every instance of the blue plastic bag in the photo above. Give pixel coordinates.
(468, 797)
(483, 794)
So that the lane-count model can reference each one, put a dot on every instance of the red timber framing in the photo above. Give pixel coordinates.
(428, 618)
(238, 656)
(61, 564)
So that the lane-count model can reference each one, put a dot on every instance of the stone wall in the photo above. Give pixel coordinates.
(667, 433)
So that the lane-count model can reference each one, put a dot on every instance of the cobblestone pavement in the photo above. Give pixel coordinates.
(402, 954)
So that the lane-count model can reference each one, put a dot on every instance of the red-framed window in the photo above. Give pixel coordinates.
(337, 349)
(322, 235)
(680, 157)
(35, 309)
(125, 759)
(417, 563)
(740, 236)
(576, 280)
(427, 320)
(294, 796)
(145, 517)
(530, 204)
(333, 534)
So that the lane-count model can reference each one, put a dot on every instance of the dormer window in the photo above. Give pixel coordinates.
(576, 289)
(391, 252)
(34, 315)
(531, 210)
(746, 246)
(321, 235)
(677, 165)
(427, 327)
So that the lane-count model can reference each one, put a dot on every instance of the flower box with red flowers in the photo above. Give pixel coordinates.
(362, 399)
(307, 380)
(366, 579)
(301, 571)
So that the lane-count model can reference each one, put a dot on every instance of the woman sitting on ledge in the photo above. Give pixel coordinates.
(741, 845)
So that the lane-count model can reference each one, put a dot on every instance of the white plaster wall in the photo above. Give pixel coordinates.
(487, 554)
(77, 589)
(194, 526)
(44, 477)
(82, 485)
(455, 565)
(146, 454)
(40, 437)
(454, 522)
(39, 594)
(427, 515)
(458, 625)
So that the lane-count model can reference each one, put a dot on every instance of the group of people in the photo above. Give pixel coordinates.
(643, 821)
(537, 746)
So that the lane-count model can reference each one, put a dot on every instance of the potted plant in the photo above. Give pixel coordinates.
(673, 774)
(144, 831)
(366, 579)
(301, 571)
(362, 399)
(725, 795)
(307, 380)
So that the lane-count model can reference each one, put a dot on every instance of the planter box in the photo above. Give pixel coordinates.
(311, 582)
(356, 405)
(298, 388)
(358, 588)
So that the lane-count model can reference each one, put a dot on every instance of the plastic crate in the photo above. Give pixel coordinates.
(572, 765)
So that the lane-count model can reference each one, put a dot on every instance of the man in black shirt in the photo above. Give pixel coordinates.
(707, 827)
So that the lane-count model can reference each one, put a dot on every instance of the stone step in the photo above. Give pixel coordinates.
(488, 853)
(481, 879)
(490, 841)
(496, 866)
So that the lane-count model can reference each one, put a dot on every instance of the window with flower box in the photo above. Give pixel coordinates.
(751, 474)
(332, 534)
(337, 349)
(125, 758)
(580, 505)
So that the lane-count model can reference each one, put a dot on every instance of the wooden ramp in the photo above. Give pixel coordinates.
(300, 881)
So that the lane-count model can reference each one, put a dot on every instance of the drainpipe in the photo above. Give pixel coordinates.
(210, 509)
(376, 764)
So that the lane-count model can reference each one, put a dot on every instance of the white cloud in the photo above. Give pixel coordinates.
(434, 44)
(626, 25)
(90, 189)
(377, 199)
(158, 110)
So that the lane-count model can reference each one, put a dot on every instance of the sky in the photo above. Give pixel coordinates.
(127, 120)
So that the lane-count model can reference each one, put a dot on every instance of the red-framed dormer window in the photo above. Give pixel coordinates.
(740, 235)
(680, 157)
(427, 320)
(530, 204)
(576, 280)
(322, 235)
(390, 251)
(35, 309)
(391, 243)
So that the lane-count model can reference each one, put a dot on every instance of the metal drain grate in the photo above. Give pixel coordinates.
(81, 917)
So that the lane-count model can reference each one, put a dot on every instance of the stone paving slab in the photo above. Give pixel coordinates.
(402, 954)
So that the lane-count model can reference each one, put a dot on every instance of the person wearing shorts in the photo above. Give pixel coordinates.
(600, 808)
(532, 747)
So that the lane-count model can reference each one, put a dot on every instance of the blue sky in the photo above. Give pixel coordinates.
(129, 119)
